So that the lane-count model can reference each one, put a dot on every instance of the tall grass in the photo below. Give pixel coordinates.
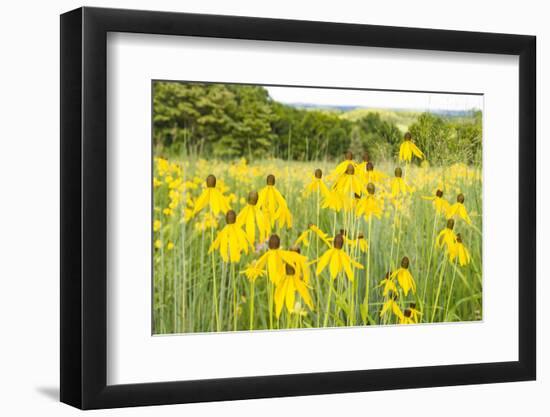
(195, 291)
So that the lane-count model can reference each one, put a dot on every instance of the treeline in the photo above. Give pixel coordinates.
(230, 121)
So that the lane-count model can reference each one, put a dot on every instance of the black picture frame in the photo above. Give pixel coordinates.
(84, 207)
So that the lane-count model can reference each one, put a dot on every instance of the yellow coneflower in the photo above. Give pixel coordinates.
(372, 175)
(156, 225)
(317, 185)
(415, 314)
(447, 237)
(212, 197)
(231, 240)
(286, 288)
(391, 305)
(275, 258)
(388, 283)
(441, 205)
(348, 183)
(398, 185)
(407, 317)
(404, 277)
(302, 264)
(283, 216)
(460, 251)
(370, 205)
(459, 210)
(252, 272)
(270, 198)
(333, 201)
(408, 149)
(338, 260)
(362, 167)
(361, 243)
(252, 217)
(343, 166)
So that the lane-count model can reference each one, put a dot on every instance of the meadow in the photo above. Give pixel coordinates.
(344, 247)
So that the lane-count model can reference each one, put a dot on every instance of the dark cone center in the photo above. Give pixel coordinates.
(407, 313)
(349, 155)
(370, 166)
(370, 188)
(458, 238)
(230, 217)
(211, 181)
(412, 305)
(274, 242)
(450, 224)
(350, 170)
(439, 193)
(296, 249)
(289, 269)
(460, 198)
(270, 179)
(398, 172)
(318, 173)
(366, 157)
(338, 241)
(360, 236)
(408, 136)
(252, 197)
(405, 262)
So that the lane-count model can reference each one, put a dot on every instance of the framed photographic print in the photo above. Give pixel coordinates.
(256, 208)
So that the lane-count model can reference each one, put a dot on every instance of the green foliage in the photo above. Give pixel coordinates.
(448, 141)
(228, 121)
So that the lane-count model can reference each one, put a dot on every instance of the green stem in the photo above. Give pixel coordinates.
(438, 288)
(450, 291)
(251, 305)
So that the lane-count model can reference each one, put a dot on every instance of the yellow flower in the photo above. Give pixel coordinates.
(303, 238)
(231, 240)
(404, 277)
(361, 242)
(317, 185)
(301, 264)
(408, 149)
(389, 284)
(212, 197)
(334, 201)
(156, 225)
(283, 216)
(286, 288)
(251, 217)
(270, 198)
(441, 205)
(391, 305)
(458, 210)
(369, 174)
(275, 258)
(370, 204)
(158, 244)
(322, 235)
(169, 246)
(415, 314)
(407, 317)
(348, 183)
(447, 237)
(398, 185)
(343, 166)
(337, 259)
(461, 251)
(252, 272)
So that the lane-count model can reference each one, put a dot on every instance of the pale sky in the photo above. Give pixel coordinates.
(375, 99)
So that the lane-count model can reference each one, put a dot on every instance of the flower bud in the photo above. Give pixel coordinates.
(338, 241)
(274, 242)
(252, 197)
(230, 217)
(370, 188)
(211, 181)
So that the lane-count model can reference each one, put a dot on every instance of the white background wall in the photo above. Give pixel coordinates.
(29, 206)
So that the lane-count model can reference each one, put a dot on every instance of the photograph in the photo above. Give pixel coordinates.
(298, 207)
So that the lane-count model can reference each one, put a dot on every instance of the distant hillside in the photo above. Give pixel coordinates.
(402, 118)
